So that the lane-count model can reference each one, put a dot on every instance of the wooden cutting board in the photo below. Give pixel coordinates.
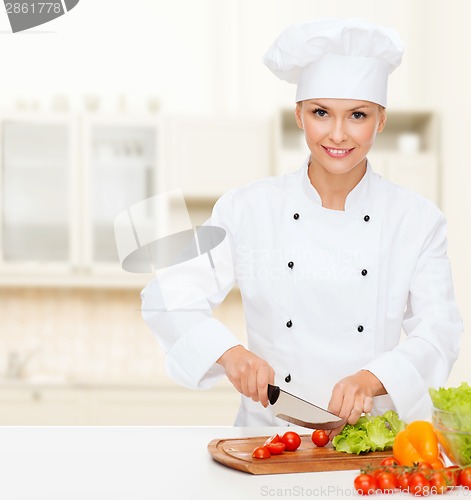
(237, 454)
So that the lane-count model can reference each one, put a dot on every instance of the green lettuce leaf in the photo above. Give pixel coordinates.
(369, 434)
(456, 400)
(395, 423)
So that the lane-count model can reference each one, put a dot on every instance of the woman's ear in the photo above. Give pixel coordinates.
(297, 114)
(382, 119)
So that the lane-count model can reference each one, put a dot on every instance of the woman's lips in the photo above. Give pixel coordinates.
(338, 153)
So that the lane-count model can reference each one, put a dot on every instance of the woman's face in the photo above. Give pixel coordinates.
(339, 132)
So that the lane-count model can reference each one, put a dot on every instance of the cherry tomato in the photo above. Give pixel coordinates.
(291, 440)
(375, 472)
(452, 474)
(275, 448)
(403, 480)
(425, 468)
(438, 483)
(365, 484)
(464, 478)
(389, 462)
(273, 439)
(419, 484)
(386, 481)
(261, 452)
(319, 438)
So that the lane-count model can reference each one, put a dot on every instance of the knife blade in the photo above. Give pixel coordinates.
(300, 412)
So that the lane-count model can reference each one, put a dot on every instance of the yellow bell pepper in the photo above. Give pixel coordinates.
(416, 443)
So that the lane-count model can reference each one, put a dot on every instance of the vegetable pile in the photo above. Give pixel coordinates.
(416, 467)
(289, 441)
(418, 480)
(369, 434)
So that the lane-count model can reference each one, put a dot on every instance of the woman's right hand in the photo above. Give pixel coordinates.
(248, 373)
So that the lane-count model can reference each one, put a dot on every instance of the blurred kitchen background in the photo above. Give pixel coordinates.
(118, 101)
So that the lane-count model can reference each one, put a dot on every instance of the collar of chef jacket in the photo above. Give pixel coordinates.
(357, 196)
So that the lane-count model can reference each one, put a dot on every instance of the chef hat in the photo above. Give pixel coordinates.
(336, 58)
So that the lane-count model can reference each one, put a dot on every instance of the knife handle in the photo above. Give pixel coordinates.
(273, 393)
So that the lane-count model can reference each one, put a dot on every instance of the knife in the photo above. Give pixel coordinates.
(301, 412)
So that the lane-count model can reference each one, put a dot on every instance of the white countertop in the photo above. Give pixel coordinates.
(145, 463)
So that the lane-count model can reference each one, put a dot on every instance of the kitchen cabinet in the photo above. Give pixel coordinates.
(121, 164)
(35, 405)
(213, 155)
(64, 179)
(107, 404)
(38, 195)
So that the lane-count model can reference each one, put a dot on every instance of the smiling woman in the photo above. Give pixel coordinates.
(320, 326)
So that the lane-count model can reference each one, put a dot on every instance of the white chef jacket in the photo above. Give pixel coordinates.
(325, 294)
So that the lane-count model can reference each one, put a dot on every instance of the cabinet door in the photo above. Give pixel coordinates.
(213, 156)
(37, 202)
(40, 406)
(121, 165)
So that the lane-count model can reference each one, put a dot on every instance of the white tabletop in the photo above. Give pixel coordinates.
(145, 463)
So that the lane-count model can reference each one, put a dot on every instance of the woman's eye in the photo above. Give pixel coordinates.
(320, 112)
(358, 115)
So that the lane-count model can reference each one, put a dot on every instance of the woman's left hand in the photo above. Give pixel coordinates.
(353, 396)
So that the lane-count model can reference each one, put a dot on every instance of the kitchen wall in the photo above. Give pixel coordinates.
(68, 335)
(201, 58)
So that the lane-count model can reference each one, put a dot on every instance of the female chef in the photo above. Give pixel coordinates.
(331, 260)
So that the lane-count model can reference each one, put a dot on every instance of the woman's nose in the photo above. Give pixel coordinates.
(338, 133)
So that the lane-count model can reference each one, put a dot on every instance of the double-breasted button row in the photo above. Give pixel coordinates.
(289, 323)
(364, 272)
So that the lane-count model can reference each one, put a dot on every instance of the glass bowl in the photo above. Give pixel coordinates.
(454, 434)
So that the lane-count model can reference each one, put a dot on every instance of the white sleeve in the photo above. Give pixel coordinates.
(192, 339)
(433, 328)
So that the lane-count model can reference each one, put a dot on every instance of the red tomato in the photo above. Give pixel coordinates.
(438, 483)
(389, 462)
(365, 484)
(291, 440)
(464, 478)
(403, 481)
(425, 468)
(275, 448)
(375, 472)
(452, 474)
(273, 439)
(320, 438)
(418, 484)
(261, 452)
(386, 481)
